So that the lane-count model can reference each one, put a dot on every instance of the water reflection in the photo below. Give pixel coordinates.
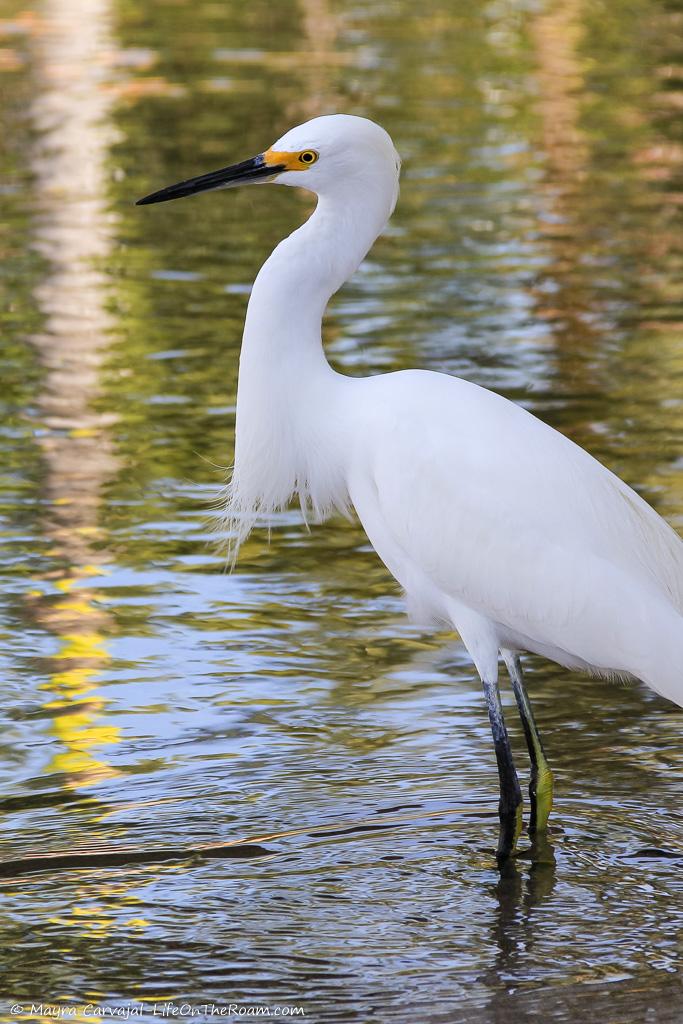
(564, 298)
(518, 895)
(534, 250)
(74, 233)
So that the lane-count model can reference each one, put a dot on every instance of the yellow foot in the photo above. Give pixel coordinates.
(541, 793)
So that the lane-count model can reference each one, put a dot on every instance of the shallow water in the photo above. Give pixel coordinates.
(153, 701)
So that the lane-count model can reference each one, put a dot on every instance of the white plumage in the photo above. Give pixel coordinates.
(490, 520)
(494, 522)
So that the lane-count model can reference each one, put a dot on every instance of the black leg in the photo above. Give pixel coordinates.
(510, 805)
(541, 784)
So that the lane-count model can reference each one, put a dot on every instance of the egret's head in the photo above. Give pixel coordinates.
(331, 154)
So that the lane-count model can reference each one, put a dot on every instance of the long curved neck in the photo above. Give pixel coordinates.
(288, 396)
(288, 300)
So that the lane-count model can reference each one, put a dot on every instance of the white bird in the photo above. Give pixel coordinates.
(493, 523)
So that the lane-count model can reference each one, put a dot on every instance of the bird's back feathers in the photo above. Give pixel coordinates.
(502, 513)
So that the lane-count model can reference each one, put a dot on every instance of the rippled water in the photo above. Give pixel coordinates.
(154, 702)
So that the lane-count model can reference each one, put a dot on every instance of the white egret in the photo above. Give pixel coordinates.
(492, 522)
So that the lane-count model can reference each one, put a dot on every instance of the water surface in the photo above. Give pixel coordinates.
(153, 701)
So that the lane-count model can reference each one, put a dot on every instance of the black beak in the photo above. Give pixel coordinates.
(256, 169)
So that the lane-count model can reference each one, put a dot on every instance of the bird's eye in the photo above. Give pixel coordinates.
(308, 156)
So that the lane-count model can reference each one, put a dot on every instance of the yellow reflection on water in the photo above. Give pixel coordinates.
(74, 235)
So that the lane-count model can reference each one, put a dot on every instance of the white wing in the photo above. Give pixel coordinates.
(515, 521)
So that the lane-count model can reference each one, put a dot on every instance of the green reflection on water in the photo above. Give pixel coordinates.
(153, 699)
